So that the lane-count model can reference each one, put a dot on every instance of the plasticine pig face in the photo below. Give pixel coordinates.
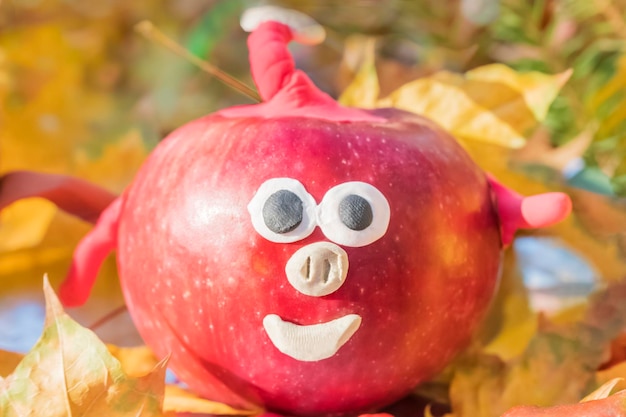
(302, 256)
(314, 266)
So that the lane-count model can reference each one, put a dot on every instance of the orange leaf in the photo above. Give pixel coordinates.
(613, 406)
(181, 401)
(8, 362)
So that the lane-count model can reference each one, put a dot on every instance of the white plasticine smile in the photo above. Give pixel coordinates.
(313, 342)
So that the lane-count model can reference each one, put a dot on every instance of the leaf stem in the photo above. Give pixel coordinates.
(108, 317)
(150, 32)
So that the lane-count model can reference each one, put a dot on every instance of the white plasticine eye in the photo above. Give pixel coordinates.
(354, 214)
(282, 211)
(304, 28)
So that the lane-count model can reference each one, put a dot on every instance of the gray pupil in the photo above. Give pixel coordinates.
(282, 211)
(355, 212)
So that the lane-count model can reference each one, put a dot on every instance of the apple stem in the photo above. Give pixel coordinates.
(150, 32)
(108, 317)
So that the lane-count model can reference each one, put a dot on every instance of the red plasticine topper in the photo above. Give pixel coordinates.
(302, 256)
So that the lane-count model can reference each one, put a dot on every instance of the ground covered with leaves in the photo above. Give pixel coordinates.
(534, 90)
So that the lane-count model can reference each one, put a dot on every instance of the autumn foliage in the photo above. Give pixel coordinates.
(536, 93)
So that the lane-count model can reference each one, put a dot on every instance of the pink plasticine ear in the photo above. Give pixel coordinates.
(534, 212)
(89, 255)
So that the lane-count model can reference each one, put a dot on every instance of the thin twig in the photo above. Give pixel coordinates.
(149, 31)
(108, 317)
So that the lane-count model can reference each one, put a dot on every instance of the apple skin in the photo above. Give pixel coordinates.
(199, 279)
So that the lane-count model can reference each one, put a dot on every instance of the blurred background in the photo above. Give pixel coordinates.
(83, 94)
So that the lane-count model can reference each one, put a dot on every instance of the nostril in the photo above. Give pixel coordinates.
(307, 268)
(317, 269)
(326, 272)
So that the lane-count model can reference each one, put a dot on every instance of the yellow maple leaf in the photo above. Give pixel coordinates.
(492, 103)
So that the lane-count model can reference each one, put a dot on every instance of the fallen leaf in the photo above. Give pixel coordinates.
(603, 217)
(510, 322)
(69, 372)
(364, 89)
(617, 371)
(613, 406)
(603, 252)
(8, 362)
(608, 105)
(603, 391)
(492, 104)
(618, 352)
(539, 149)
(608, 101)
(36, 237)
(179, 400)
(135, 361)
(115, 165)
(24, 224)
(139, 360)
(557, 367)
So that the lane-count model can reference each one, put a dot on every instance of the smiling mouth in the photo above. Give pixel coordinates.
(313, 342)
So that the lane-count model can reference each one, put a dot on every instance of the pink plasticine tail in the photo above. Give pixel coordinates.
(89, 255)
(534, 212)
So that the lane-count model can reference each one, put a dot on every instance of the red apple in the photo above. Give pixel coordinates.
(200, 280)
(302, 256)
